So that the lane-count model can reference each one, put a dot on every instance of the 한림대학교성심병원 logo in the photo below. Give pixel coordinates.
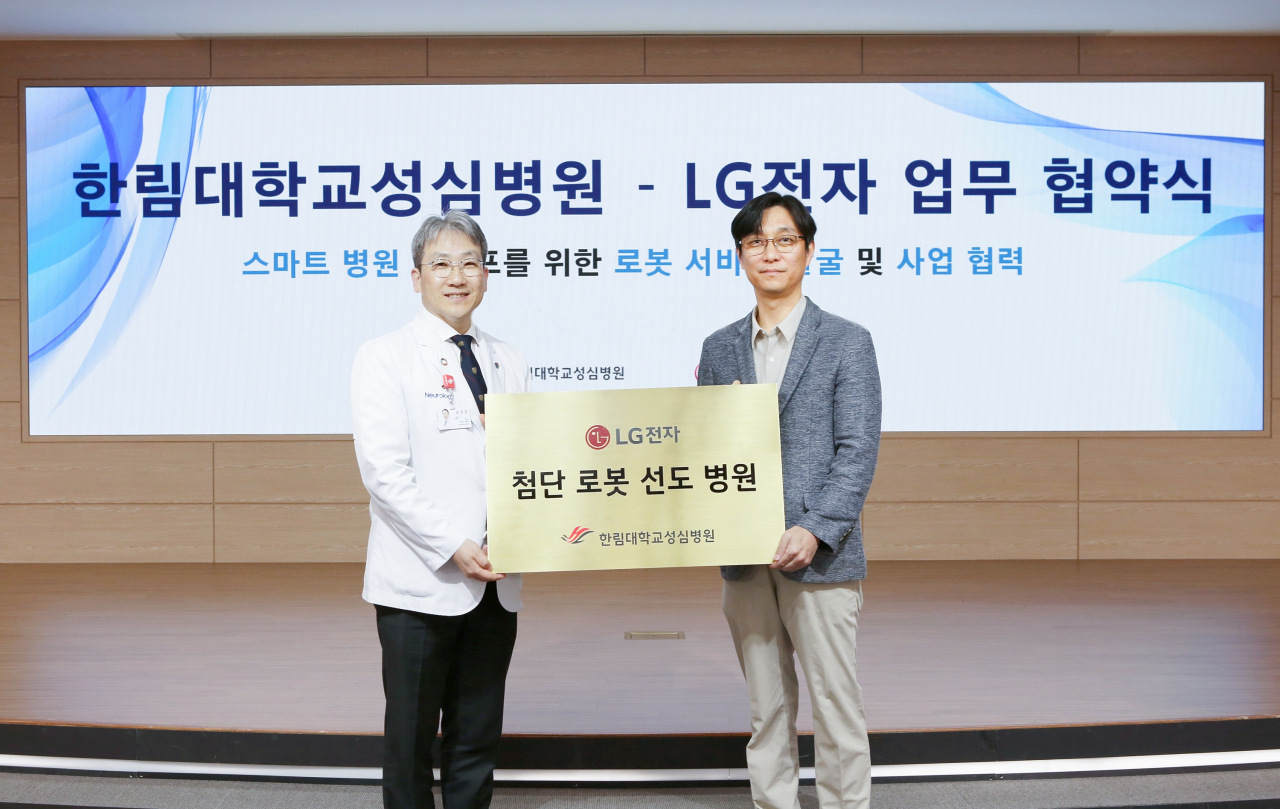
(576, 535)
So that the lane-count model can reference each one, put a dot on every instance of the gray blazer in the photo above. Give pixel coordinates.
(829, 414)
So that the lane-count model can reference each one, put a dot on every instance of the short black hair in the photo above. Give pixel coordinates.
(749, 219)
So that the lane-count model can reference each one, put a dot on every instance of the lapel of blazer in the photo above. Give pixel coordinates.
(431, 352)
(429, 348)
(801, 353)
(745, 354)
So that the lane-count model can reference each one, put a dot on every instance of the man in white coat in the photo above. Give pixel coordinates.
(446, 621)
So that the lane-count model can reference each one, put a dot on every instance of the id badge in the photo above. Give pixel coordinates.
(453, 418)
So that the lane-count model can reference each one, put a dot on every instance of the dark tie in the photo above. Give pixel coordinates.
(471, 368)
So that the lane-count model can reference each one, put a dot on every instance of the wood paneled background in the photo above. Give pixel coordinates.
(934, 498)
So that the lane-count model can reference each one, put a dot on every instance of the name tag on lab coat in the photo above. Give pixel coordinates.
(453, 418)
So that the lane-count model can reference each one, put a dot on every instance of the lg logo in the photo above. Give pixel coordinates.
(598, 437)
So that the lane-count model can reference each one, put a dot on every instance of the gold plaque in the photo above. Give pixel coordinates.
(656, 477)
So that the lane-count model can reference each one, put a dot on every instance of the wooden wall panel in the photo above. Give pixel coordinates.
(1179, 56)
(1008, 469)
(106, 533)
(89, 59)
(535, 56)
(294, 58)
(753, 56)
(10, 352)
(9, 271)
(287, 472)
(1224, 530)
(106, 472)
(970, 55)
(295, 533)
(10, 425)
(9, 152)
(1179, 469)
(970, 530)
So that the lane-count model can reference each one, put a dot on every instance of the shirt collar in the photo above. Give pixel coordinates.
(442, 330)
(789, 324)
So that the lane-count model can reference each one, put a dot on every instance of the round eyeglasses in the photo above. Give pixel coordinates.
(442, 269)
(755, 245)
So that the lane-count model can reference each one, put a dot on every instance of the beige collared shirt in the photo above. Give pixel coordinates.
(772, 348)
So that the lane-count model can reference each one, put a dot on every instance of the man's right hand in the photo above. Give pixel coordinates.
(473, 560)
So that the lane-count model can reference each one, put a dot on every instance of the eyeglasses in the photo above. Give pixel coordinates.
(755, 245)
(442, 269)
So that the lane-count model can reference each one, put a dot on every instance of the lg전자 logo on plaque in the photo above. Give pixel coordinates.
(598, 437)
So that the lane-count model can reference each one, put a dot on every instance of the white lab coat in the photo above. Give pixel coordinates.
(426, 485)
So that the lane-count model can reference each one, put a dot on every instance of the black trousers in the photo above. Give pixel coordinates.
(450, 666)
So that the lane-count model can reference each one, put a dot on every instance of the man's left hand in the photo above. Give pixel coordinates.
(796, 550)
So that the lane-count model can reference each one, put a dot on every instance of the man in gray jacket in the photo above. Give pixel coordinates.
(808, 600)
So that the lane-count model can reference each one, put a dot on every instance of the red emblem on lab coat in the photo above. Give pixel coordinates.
(448, 382)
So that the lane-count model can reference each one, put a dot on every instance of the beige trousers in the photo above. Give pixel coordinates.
(771, 617)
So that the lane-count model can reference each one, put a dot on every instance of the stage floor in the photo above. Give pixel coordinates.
(941, 645)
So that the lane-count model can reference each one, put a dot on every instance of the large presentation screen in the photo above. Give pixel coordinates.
(1028, 257)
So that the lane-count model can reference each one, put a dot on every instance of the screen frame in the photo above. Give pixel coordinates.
(1269, 258)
